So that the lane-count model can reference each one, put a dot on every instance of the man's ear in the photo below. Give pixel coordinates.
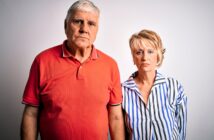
(65, 24)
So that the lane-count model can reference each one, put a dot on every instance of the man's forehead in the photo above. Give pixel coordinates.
(84, 15)
(85, 12)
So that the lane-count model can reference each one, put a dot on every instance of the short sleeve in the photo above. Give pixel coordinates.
(115, 91)
(31, 92)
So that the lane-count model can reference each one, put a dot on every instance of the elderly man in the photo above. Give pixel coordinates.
(73, 91)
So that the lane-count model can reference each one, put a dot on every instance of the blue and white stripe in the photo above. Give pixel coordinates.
(165, 115)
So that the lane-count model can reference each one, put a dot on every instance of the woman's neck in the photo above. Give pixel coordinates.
(146, 77)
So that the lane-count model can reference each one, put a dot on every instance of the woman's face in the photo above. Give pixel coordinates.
(145, 57)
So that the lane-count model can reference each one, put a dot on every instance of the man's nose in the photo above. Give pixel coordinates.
(84, 28)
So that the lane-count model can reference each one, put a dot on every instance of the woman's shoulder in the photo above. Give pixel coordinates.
(173, 81)
(169, 79)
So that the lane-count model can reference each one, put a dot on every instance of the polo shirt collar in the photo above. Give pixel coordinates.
(66, 53)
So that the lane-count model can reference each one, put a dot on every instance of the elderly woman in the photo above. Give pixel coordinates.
(155, 106)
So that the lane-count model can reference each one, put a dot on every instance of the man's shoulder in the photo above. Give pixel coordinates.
(105, 57)
(55, 51)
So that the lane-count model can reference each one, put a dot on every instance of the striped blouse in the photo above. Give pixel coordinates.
(165, 115)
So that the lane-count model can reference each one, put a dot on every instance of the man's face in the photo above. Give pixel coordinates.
(81, 29)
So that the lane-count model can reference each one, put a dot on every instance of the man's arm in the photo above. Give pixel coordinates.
(29, 123)
(116, 122)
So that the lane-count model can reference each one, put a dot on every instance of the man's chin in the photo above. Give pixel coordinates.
(83, 45)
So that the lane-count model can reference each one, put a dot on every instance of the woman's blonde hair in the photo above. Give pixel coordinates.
(152, 38)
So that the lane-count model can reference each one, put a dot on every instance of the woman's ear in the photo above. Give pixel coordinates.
(133, 60)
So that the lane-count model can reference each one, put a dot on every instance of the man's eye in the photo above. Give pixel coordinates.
(77, 21)
(90, 23)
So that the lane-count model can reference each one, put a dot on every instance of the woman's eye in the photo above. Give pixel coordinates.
(139, 52)
(150, 51)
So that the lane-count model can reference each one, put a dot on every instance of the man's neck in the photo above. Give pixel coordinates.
(81, 54)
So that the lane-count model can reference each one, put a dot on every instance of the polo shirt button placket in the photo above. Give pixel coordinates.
(80, 73)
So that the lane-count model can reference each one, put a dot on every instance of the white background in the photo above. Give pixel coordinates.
(185, 26)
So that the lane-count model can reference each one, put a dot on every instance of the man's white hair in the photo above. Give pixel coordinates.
(84, 5)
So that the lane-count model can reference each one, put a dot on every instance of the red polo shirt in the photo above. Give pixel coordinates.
(73, 96)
